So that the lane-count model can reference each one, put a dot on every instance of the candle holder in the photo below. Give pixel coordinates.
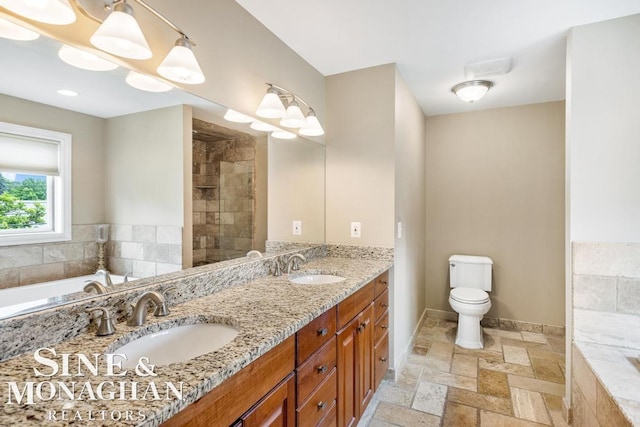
(102, 236)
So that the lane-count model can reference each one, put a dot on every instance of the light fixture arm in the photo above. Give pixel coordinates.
(282, 92)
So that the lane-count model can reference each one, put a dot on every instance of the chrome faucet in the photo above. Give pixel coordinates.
(254, 254)
(292, 262)
(93, 285)
(139, 315)
(125, 279)
(105, 326)
(276, 268)
(107, 277)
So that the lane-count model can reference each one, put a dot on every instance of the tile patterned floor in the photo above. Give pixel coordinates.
(517, 380)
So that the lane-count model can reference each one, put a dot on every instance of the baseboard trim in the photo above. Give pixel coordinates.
(567, 412)
(393, 372)
(499, 323)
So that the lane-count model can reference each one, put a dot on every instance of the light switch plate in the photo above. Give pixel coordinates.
(297, 228)
(399, 229)
(356, 230)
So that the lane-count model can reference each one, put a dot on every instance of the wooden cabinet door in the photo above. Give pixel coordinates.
(364, 346)
(277, 409)
(347, 364)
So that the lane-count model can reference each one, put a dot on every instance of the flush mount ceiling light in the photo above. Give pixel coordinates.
(56, 12)
(9, 30)
(472, 90)
(273, 107)
(121, 35)
(85, 60)
(146, 83)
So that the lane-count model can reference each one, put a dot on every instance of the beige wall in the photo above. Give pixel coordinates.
(295, 190)
(144, 168)
(360, 156)
(495, 187)
(408, 296)
(236, 52)
(88, 183)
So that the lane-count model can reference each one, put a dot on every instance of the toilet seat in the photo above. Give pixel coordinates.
(469, 295)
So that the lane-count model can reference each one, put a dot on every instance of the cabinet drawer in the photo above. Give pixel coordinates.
(382, 327)
(381, 362)
(382, 305)
(350, 307)
(315, 369)
(319, 403)
(316, 333)
(381, 283)
(331, 419)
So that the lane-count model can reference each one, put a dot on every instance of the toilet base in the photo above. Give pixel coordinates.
(469, 334)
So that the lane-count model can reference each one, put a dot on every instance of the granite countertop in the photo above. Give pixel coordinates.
(266, 311)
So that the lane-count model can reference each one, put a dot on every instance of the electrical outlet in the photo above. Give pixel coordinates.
(400, 230)
(297, 228)
(356, 230)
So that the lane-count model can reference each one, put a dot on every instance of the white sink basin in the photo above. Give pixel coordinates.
(177, 344)
(316, 279)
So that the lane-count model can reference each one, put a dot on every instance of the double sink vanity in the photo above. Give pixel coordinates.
(239, 347)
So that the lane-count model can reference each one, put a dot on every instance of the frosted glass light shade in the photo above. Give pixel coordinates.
(9, 30)
(146, 83)
(56, 12)
(121, 35)
(181, 65)
(312, 126)
(472, 90)
(85, 60)
(236, 117)
(271, 106)
(282, 134)
(293, 117)
(262, 126)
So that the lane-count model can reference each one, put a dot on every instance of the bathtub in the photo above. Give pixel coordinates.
(22, 299)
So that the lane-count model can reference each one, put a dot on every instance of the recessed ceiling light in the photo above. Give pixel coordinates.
(67, 92)
(9, 30)
(146, 83)
(85, 60)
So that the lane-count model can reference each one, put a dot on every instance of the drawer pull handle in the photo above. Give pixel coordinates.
(384, 326)
(383, 359)
(363, 324)
(322, 369)
(384, 282)
(384, 304)
(321, 406)
(322, 332)
(360, 328)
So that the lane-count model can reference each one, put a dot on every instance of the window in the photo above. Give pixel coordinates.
(35, 185)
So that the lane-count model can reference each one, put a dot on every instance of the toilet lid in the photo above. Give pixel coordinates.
(469, 295)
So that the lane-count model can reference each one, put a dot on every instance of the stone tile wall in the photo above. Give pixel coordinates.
(606, 292)
(144, 250)
(28, 264)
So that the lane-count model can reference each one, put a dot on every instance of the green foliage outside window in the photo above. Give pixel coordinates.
(14, 213)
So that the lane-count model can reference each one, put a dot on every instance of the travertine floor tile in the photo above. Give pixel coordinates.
(544, 353)
(557, 344)
(377, 423)
(448, 379)
(456, 415)
(480, 401)
(536, 385)
(525, 343)
(493, 383)
(465, 365)
(507, 368)
(534, 337)
(487, 355)
(504, 334)
(529, 405)
(547, 370)
(440, 351)
(554, 407)
(406, 417)
(390, 392)
(492, 343)
(489, 419)
(409, 377)
(516, 355)
(430, 398)
(419, 350)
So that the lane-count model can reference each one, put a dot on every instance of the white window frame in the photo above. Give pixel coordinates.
(61, 226)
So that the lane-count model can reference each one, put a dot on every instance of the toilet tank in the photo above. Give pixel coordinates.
(470, 271)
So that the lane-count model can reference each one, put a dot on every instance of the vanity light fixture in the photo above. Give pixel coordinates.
(181, 65)
(262, 126)
(472, 90)
(147, 83)
(56, 12)
(82, 59)
(236, 117)
(9, 30)
(273, 107)
(121, 35)
(67, 92)
(282, 134)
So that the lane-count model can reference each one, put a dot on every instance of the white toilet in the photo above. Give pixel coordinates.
(470, 279)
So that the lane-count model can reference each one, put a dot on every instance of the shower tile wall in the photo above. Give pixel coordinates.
(223, 197)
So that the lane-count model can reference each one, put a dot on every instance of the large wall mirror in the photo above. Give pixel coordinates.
(177, 185)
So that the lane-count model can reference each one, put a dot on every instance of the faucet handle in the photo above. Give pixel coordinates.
(125, 279)
(94, 284)
(106, 326)
(276, 269)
